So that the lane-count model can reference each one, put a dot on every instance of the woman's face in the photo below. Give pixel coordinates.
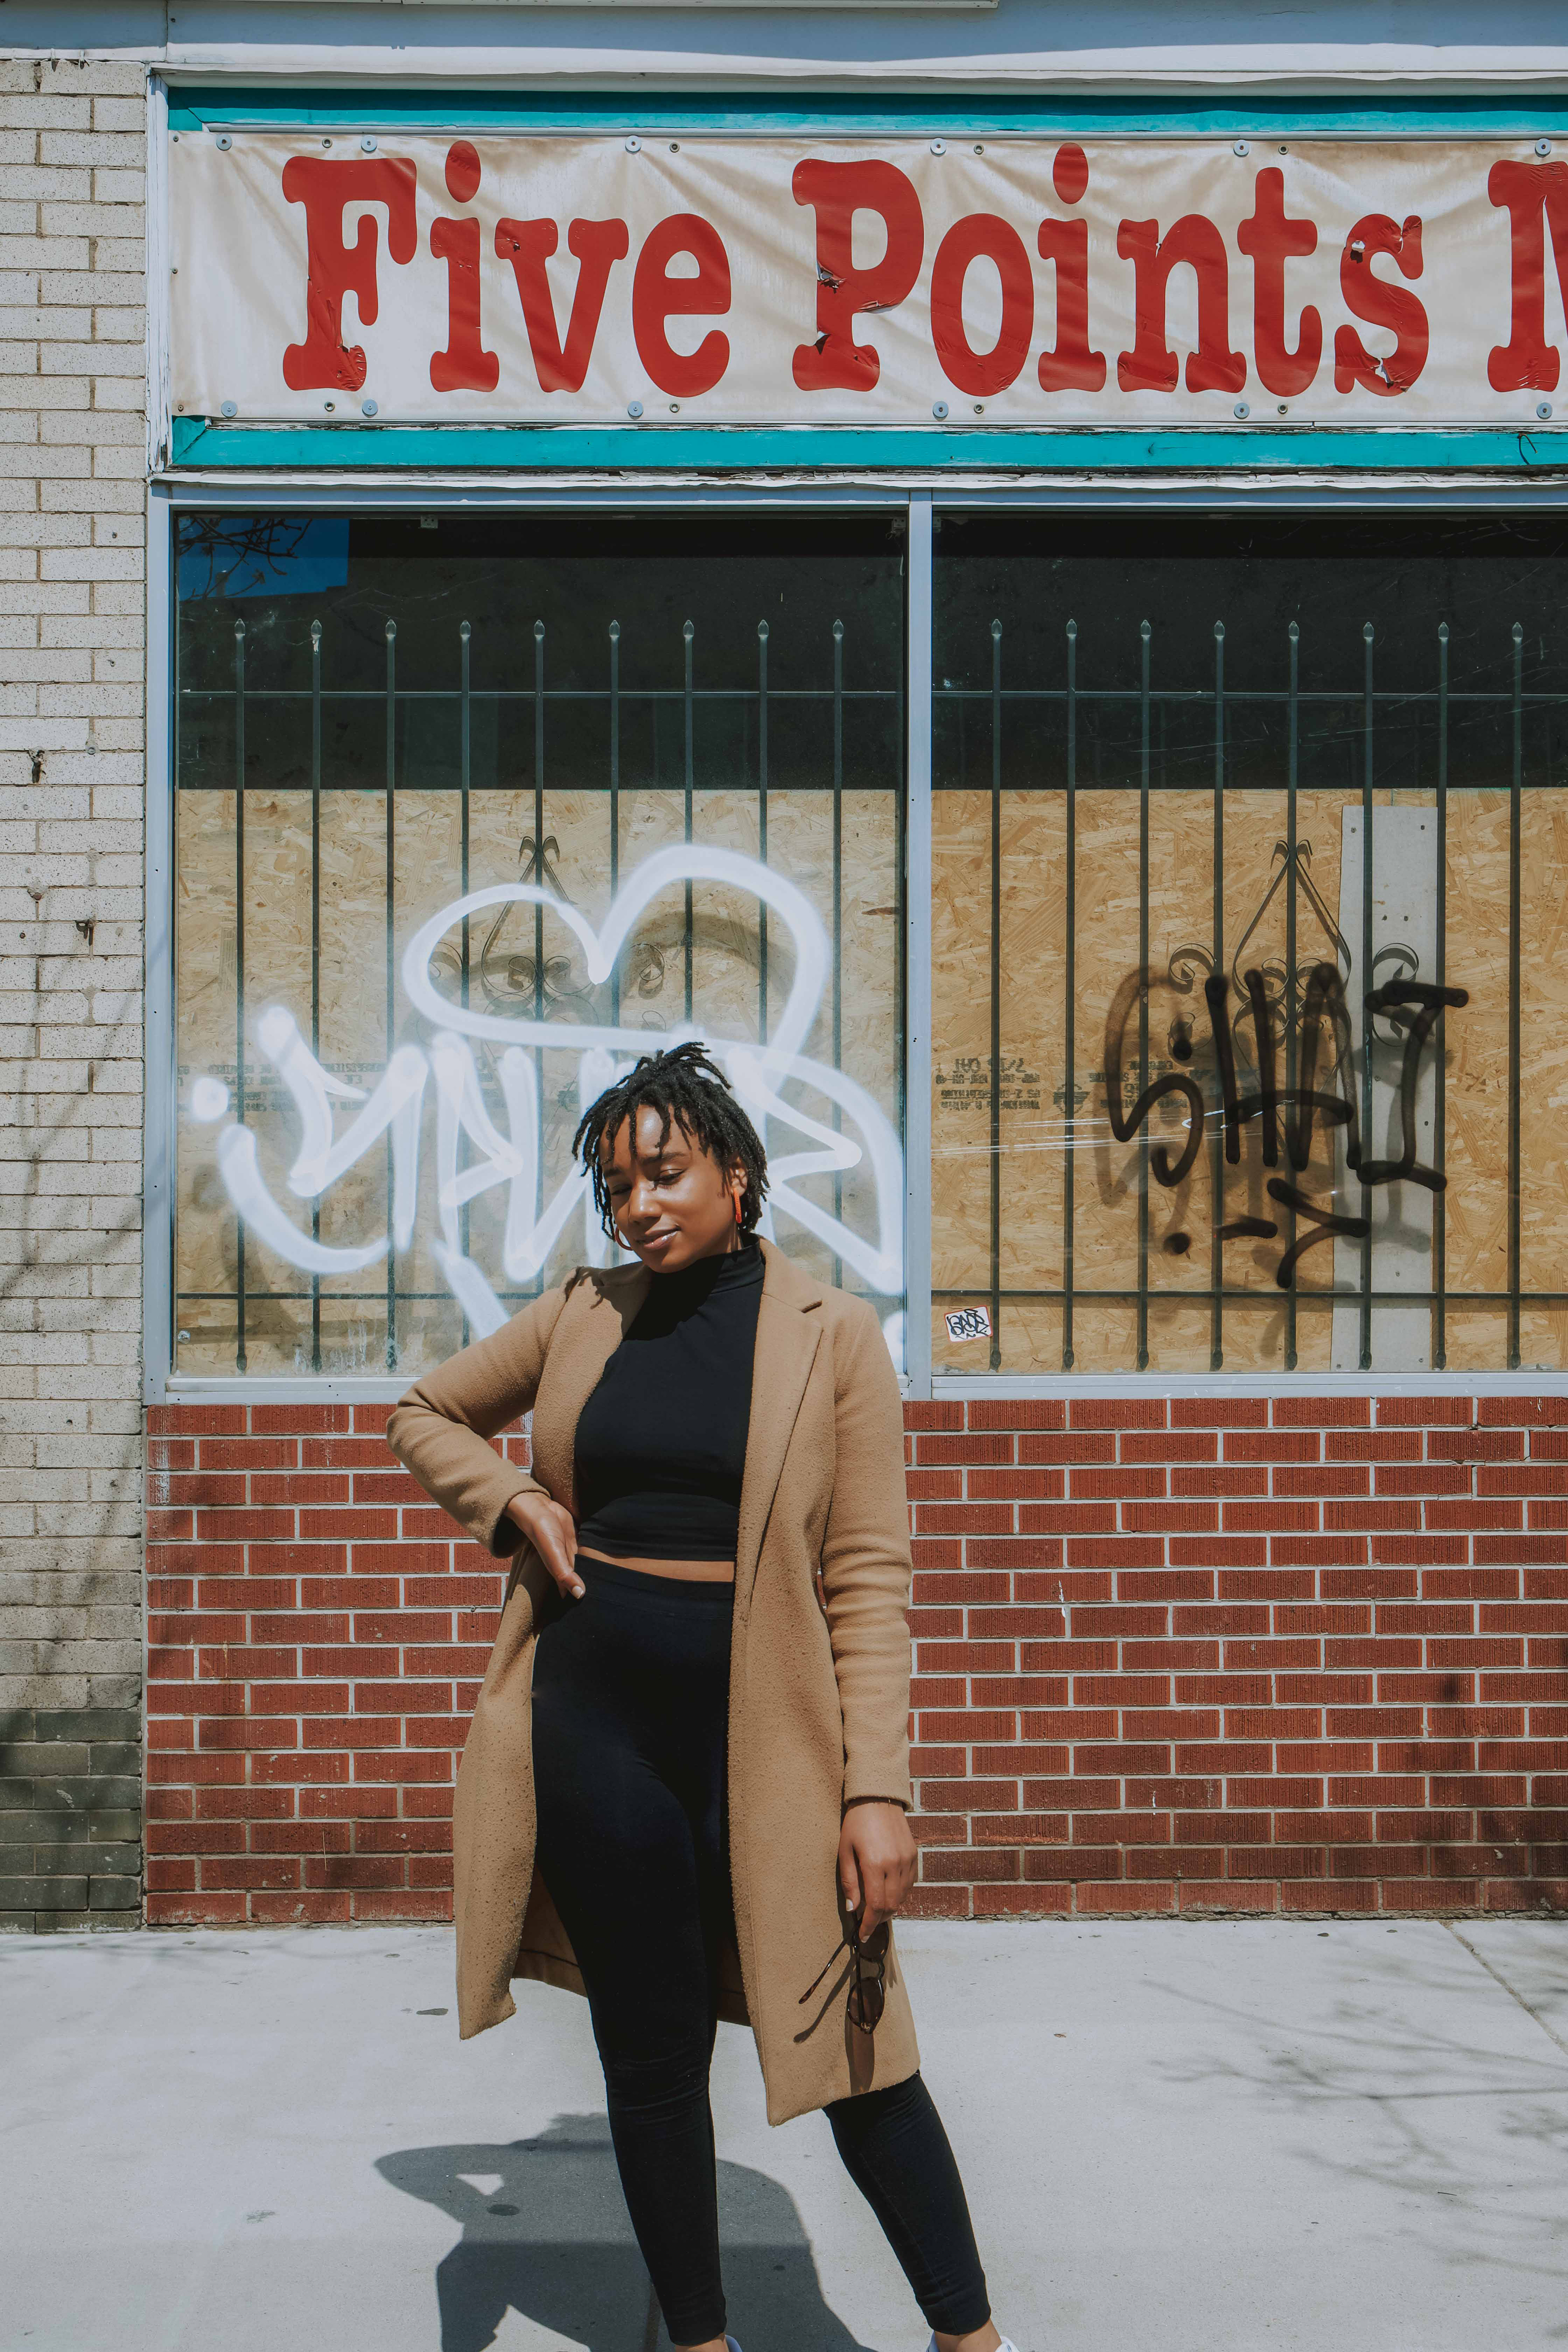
(672, 1201)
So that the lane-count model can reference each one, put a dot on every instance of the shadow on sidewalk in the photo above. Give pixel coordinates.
(546, 2233)
(1421, 2115)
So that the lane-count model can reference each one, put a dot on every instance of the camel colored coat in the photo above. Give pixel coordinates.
(818, 1688)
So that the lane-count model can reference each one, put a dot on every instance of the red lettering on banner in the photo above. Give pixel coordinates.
(1536, 197)
(1069, 172)
(835, 361)
(982, 236)
(1270, 238)
(323, 362)
(528, 246)
(1070, 365)
(1381, 305)
(463, 170)
(656, 298)
(465, 365)
(1151, 364)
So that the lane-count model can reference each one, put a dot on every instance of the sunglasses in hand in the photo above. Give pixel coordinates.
(868, 1990)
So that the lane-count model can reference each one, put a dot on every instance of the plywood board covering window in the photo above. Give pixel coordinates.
(1171, 755)
(377, 721)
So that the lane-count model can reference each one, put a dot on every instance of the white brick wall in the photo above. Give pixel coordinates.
(72, 564)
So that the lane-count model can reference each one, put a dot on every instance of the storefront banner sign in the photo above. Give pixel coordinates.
(557, 280)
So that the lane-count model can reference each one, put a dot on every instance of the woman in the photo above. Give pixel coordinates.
(686, 1786)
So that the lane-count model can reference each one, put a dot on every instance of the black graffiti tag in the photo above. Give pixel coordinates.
(1325, 1036)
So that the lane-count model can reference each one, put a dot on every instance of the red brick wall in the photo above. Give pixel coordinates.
(1298, 1656)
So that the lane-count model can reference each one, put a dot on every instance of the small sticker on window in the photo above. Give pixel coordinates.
(969, 1323)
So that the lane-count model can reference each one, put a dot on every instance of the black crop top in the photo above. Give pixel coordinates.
(661, 1441)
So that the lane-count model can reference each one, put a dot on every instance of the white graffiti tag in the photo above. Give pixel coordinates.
(473, 1154)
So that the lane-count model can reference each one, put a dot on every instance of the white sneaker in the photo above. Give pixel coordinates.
(1006, 2345)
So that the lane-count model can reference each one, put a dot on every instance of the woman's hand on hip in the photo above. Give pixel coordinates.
(876, 1854)
(552, 1530)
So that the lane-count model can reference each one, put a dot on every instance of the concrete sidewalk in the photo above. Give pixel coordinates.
(1176, 2136)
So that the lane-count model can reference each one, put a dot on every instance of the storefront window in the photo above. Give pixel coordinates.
(468, 811)
(662, 761)
(1215, 802)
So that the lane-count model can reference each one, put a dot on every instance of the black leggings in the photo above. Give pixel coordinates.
(630, 1704)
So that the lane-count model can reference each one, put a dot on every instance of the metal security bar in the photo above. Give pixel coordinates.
(674, 710)
(1374, 749)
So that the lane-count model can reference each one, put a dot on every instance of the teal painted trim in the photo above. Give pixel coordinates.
(611, 448)
(955, 113)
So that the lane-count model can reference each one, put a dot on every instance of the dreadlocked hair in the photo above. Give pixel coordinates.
(689, 1090)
